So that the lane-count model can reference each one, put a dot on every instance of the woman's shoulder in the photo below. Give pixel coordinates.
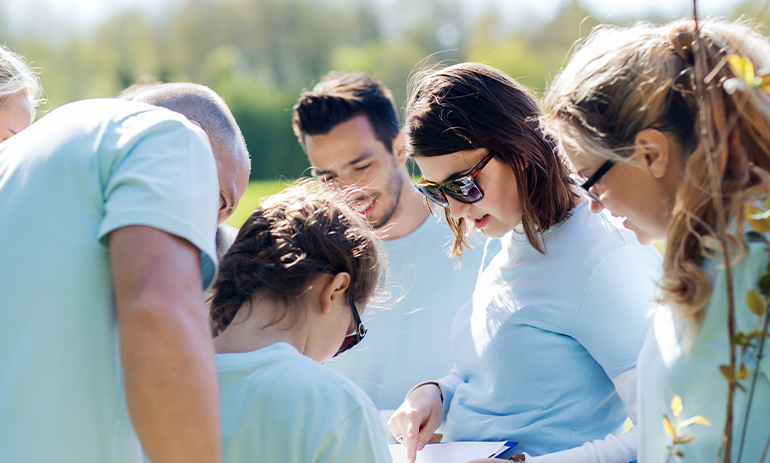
(593, 237)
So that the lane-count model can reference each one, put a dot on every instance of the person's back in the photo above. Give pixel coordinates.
(280, 405)
(349, 129)
(287, 299)
(66, 183)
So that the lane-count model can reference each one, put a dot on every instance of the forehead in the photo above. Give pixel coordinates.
(345, 143)
(233, 168)
(439, 169)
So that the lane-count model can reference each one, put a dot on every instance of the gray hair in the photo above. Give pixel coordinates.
(204, 106)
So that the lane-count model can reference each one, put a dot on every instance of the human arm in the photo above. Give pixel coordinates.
(165, 345)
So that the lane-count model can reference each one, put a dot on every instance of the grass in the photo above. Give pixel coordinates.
(252, 198)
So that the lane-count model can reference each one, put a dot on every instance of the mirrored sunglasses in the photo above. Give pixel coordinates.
(463, 189)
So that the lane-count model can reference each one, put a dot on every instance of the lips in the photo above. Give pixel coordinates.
(481, 222)
(364, 206)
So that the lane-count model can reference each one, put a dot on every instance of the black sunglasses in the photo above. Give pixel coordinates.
(463, 189)
(586, 183)
(351, 339)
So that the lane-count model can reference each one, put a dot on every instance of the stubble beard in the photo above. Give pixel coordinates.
(393, 191)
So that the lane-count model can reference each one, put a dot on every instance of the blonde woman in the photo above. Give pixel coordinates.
(20, 94)
(641, 112)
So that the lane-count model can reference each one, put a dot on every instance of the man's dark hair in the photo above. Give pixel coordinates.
(340, 97)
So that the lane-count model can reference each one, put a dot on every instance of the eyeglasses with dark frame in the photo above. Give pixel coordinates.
(463, 189)
(585, 184)
(351, 339)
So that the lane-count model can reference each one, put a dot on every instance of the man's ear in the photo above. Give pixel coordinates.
(333, 289)
(654, 152)
(399, 147)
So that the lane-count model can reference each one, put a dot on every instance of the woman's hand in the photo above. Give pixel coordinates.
(417, 418)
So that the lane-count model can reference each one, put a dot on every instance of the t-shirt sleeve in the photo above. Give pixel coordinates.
(159, 171)
(358, 438)
(618, 307)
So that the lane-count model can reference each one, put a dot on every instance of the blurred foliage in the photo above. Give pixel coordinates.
(259, 54)
(252, 198)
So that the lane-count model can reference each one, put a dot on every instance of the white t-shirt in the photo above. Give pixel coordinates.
(408, 338)
(281, 406)
(538, 346)
(66, 182)
(668, 366)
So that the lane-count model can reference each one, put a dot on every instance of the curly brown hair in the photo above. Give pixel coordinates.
(304, 230)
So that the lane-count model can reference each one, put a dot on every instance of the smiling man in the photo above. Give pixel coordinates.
(350, 131)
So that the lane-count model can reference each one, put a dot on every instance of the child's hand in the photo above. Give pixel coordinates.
(417, 418)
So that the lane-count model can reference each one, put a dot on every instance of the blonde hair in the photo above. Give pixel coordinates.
(623, 80)
(17, 77)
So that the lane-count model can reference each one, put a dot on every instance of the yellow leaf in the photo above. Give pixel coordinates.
(758, 225)
(694, 420)
(743, 373)
(756, 218)
(755, 302)
(742, 67)
(667, 425)
(676, 406)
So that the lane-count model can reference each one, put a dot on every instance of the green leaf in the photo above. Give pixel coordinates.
(755, 302)
(754, 237)
(743, 373)
(764, 284)
(740, 339)
(727, 372)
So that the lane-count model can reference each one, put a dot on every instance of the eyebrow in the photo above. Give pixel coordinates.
(461, 173)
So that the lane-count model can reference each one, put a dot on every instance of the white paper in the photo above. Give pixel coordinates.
(447, 452)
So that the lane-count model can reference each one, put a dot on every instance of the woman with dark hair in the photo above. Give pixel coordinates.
(545, 351)
(286, 300)
(676, 124)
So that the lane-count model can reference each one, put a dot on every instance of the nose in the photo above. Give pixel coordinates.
(595, 206)
(457, 209)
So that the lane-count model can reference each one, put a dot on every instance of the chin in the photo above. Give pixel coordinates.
(641, 235)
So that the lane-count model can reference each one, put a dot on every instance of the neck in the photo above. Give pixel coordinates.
(249, 330)
(410, 213)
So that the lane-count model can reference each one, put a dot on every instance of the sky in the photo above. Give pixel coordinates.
(85, 14)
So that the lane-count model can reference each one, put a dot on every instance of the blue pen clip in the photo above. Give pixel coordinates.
(505, 450)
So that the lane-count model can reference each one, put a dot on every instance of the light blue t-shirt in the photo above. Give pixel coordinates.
(66, 182)
(281, 406)
(408, 338)
(668, 368)
(538, 344)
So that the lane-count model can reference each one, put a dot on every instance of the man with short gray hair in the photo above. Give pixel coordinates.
(111, 208)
